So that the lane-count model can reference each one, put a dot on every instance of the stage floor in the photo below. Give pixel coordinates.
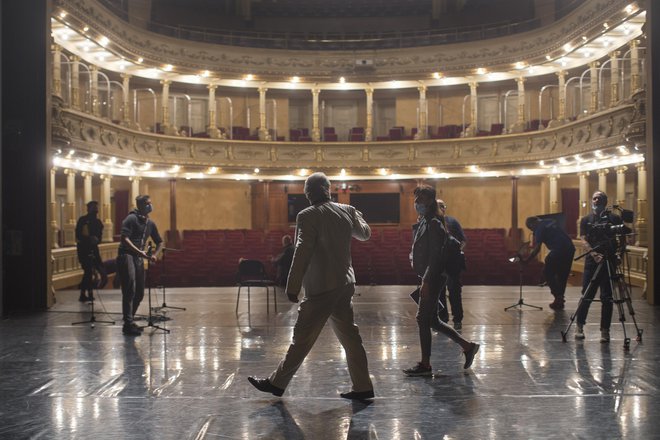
(60, 381)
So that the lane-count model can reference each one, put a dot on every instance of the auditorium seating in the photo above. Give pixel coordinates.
(210, 258)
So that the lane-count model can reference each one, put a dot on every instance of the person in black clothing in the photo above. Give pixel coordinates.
(453, 272)
(559, 260)
(283, 260)
(426, 260)
(599, 215)
(89, 232)
(136, 229)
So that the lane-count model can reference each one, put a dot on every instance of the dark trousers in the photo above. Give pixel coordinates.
(427, 313)
(601, 280)
(454, 287)
(556, 271)
(131, 273)
(89, 259)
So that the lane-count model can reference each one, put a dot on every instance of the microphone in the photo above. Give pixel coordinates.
(149, 250)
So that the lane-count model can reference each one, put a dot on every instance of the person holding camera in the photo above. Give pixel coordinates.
(136, 229)
(594, 236)
(89, 232)
(559, 260)
(427, 261)
(453, 272)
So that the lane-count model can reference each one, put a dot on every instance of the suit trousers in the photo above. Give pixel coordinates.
(335, 306)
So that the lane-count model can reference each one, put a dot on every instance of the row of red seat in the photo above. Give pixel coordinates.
(210, 258)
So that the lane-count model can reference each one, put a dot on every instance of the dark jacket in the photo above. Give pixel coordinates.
(426, 254)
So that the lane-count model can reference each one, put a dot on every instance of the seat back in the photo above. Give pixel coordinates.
(251, 270)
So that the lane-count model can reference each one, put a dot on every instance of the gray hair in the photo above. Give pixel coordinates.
(317, 188)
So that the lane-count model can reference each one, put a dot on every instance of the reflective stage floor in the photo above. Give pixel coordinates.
(60, 381)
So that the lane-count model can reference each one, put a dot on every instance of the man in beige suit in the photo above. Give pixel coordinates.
(322, 264)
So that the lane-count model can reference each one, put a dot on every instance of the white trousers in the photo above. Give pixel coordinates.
(337, 307)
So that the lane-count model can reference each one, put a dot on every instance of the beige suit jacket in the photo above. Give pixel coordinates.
(322, 259)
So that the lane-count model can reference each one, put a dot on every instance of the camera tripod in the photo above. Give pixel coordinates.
(620, 293)
(518, 258)
(92, 318)
(165, 306)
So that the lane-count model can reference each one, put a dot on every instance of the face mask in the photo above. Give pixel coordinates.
(597, 208)
(148, 208)
(420, 208)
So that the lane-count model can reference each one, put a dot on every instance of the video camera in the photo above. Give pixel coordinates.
(607, 237)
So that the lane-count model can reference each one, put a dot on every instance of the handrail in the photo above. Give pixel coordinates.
(136, 108)
(541, 102)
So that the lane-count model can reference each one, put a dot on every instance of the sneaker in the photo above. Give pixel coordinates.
(131, 330)
(557, 304)
(469, 355)
(458, 325)
(137, 327)
(604, 336)
(419, 370)
(579, 332)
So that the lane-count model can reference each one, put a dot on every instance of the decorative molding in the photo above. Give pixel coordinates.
(99, 136)
(533, 46)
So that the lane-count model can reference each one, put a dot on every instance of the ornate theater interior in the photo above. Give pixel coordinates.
(219, 110)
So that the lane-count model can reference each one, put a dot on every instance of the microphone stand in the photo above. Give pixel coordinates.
(151, 317)
(518, 258)
(165, 306)
(92, 319)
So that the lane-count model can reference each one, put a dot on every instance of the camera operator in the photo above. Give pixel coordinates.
(89, 232)
(135, 230)
(559, 260)
(453, 272)
(598, 242)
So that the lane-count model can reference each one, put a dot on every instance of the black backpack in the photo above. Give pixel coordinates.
(453, 257)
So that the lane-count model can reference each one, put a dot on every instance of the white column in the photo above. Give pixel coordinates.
(87, 186)
(593, 78)
(53, 209)
(212, 128)
(135, 190)
(561, 77)
(423, 117)
(168, 128)
(106, 209)
(641, 226)
(621, 185)
(70, 226)
(602, 179)
(316, 131)
(584, 196)
(126, 100)
(263, 129)
(554, 192)
(634, 66)
(369, 130)
(57, 69)
(614, 78)
(471, 130)
(75, 82)
(519, 125)
(94, 93)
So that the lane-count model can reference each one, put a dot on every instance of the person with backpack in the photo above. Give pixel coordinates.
(427, 259)
(455, 265)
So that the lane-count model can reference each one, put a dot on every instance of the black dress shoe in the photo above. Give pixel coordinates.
(83, 298)
(358, 395)
(265, 386)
